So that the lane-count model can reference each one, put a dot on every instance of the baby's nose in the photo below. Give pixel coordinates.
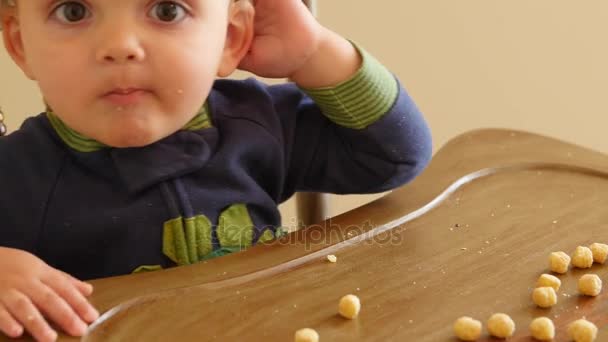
(120, 47)
(120, 57)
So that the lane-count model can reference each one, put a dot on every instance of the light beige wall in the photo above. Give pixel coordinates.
(539, 65)
(536, 65)
(19, 96)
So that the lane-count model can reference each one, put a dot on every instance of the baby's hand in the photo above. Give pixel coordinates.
(285, 36)
(31, 289)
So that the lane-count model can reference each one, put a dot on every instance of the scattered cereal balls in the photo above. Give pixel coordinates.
(590, 285)
(582, 331)
(542, 329)
(582, 257)
(306, 335)
(545, 297)
(550, 281)
(332, 258)
(501, 325)
(559, 262)
(467, 328)
(600, 252)
(349, 306)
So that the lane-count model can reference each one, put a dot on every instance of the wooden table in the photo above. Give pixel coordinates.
(470, 236)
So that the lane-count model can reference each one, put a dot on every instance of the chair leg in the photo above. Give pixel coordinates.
(311, 208)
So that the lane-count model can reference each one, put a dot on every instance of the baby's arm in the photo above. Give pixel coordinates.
(364, 135)
(334, 61)
(357, 131)
(32, 293)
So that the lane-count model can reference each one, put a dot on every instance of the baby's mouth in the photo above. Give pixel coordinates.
(125, 96)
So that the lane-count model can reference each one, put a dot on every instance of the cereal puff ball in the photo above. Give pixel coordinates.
(590, 285)
(542, 329)
(600, 252)
(501, 325)
(559, 262)
(582, 331)
(467, 328)
(349, 306)
(547, 280)
(306, 335)
(582, 257)
(545, 297)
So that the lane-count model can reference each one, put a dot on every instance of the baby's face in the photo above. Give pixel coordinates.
(124, 72)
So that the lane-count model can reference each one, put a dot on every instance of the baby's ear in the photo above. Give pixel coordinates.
(11, 34)
(239, 36)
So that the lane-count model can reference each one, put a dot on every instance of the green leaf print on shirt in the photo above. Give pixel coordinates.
(235, 228)
(186, 241)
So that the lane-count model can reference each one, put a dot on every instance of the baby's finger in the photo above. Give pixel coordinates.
(75, 299)
(24, 311)
(85, 288)
(8, 325)
(57, 310)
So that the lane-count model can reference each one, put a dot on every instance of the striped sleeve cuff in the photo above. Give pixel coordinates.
(361, 100)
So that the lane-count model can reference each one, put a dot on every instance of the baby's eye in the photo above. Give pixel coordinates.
(70, 12)
(168, 11)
